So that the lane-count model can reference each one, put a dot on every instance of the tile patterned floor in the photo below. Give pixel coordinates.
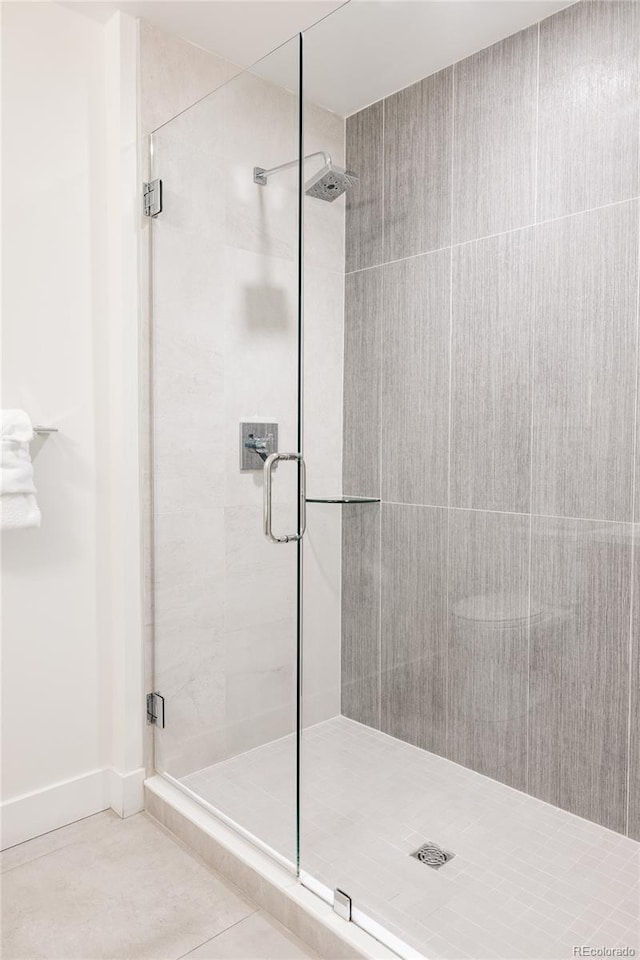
(528, 880)
(111, 888)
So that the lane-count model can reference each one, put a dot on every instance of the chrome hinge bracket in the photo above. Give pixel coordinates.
(152, 198)
(155, 709)
(342, 904)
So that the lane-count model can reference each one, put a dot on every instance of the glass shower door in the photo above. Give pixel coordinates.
(225, 370)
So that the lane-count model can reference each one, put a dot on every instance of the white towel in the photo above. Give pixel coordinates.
(18, 506)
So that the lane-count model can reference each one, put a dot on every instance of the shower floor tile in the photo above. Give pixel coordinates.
(527, 880)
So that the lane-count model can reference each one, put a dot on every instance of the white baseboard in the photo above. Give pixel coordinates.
(126, 791)
(33, 814)
(55, 806)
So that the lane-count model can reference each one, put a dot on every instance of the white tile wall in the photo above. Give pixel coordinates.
(173, 75)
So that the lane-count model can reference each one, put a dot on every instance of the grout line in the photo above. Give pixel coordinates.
(537, 135)
(226, 929)
(414, 256)
(345, 208)
(382, 173)
(380, 617)
(341, 471)
(530, 558)
(47, 853)
(634, 445)
(532, 330)
(508, 513)
(380, 461)
(380, 513)
(502, 233)
(447, 630)
(530, 567)
(451, 172)
(343, 428)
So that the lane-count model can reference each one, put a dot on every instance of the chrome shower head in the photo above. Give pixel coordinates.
(330, 182)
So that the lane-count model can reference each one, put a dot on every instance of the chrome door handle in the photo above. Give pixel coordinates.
(268, 484)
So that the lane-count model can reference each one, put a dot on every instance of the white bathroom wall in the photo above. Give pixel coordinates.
(71, 650)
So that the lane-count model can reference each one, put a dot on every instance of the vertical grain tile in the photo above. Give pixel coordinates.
(494, 138)
(364, 200)
(413, 624)
(488, 636)
(585, 364)
(636, 496)
(493, 310)
(415, 379)
(578, 696)
(589, 107)
(633, 826)
(361, 613)
(361, 425)
(417, 167)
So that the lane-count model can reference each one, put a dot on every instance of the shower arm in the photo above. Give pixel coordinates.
(260, 175)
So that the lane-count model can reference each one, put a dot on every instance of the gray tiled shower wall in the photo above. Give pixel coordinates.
(491, 380)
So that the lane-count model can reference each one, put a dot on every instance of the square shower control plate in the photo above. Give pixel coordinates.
(265, 436)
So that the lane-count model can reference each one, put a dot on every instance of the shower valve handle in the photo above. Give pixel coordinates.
(259, 445)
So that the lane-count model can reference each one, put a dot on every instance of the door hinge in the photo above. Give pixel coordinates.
(152, 198)
(342, 904)
(155, 709)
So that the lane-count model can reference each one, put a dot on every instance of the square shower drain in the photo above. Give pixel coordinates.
(432, 855)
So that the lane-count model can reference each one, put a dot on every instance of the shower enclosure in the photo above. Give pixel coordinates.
(395, 469)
